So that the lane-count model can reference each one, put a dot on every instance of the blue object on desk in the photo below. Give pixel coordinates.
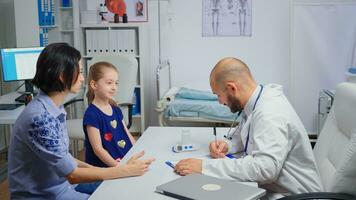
(230, 156)
(169, 164)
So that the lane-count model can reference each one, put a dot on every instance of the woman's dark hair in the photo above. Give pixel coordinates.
(55, 61)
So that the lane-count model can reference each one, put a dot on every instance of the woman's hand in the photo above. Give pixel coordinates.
(136, 167)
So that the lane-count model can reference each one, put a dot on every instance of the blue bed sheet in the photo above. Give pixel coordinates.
(186, 93)
(195, 103)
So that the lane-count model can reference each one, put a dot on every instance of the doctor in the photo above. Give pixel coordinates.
(274, 144)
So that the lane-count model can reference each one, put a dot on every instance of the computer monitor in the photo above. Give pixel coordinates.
(20, 64)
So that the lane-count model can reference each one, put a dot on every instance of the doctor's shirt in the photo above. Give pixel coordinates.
(279, 155)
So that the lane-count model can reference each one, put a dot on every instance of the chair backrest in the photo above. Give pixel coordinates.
(335, 150)
(127, 66)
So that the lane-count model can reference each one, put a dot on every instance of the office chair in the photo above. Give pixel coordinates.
(335, 149)
(127, 66)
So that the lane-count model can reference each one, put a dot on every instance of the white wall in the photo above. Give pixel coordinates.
(267, 52)
(193, 56)
(322, 41)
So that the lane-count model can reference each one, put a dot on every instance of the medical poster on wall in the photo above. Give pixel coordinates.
(136, 10)
(227, 18)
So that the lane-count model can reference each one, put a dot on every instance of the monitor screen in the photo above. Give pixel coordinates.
(19, 63)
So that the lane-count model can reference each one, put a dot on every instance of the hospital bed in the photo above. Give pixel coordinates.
(183, 106)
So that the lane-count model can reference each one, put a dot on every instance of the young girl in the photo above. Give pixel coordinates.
(107, 138)
(40, 165)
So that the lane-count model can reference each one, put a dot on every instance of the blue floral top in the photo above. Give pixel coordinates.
(39, 159)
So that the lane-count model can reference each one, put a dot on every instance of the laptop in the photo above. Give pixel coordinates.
(198, 186)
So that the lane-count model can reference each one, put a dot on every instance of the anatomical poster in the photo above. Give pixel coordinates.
(227, 18)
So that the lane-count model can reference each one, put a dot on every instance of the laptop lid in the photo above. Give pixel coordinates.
(197, 186)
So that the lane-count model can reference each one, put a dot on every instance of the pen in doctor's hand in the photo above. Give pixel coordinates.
(216, 142)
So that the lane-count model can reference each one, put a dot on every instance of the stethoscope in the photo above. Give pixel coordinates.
(229, 135)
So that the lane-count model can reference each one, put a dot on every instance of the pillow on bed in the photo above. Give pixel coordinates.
(185, 93)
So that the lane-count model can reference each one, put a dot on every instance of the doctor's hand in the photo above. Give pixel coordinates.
(218, 149)
(188, 166)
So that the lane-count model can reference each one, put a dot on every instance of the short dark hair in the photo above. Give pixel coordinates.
(55, 60)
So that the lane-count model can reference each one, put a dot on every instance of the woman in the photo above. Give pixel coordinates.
(40, 165)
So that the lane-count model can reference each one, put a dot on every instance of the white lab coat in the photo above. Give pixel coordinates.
(280, 158)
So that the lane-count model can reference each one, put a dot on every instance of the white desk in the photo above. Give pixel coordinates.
(157, 142)
(10, 116)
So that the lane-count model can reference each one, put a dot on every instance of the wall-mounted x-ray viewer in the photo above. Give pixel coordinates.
(20, 64)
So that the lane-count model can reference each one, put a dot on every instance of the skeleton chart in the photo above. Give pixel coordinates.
(227, 18)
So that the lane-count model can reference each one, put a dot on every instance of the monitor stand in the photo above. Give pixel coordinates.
(28, 90)
(28, 87)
